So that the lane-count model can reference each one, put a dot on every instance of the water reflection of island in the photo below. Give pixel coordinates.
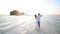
(16, 12)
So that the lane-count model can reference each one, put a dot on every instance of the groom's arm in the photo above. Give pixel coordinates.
(40, 15)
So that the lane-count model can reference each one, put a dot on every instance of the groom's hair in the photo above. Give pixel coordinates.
(38, 13)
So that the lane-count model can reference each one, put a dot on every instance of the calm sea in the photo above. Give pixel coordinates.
(10, 23)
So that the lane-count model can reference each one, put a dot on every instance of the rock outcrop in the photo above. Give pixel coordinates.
(16, 12)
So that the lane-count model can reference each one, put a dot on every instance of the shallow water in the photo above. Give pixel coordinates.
(50, 24)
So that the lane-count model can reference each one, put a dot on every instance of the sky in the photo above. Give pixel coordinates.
(30, 7)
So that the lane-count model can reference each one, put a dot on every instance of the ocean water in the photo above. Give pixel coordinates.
(50, 24)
